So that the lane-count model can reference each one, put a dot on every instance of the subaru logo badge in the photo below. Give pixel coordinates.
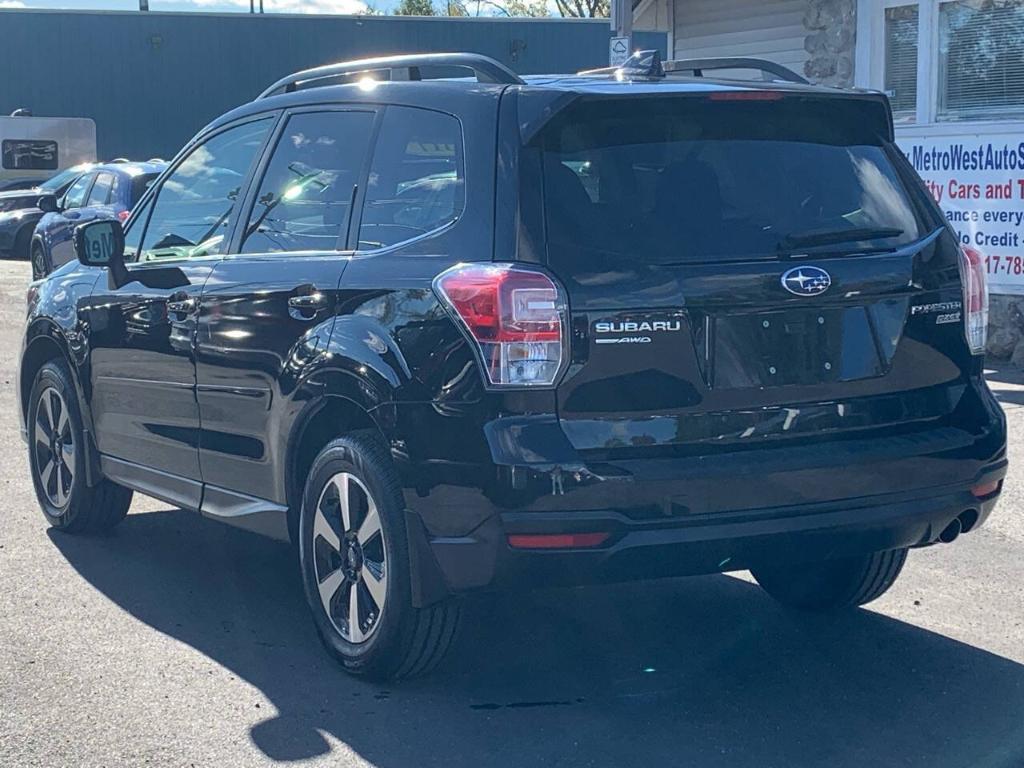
(806, 281)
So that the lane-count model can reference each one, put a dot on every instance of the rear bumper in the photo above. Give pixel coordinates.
(713, 511)
(11, 225)
(711, 544)
(9, 228)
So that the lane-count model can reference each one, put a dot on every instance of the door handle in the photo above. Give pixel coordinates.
(305, 302)
(182, 304)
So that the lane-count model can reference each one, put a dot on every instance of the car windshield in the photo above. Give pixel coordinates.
(687, 179)
(63, 178)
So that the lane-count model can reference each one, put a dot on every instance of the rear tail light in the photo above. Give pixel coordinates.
(982, 490)
(516, 316)
(975, 286)
(122, 216)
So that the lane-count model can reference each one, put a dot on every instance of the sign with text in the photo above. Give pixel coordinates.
(978, 181)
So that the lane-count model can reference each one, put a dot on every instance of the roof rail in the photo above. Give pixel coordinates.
(486, 69)
(699, 66)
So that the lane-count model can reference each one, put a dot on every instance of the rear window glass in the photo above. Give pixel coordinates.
(140, 184)
(688, 179)
(28, 155)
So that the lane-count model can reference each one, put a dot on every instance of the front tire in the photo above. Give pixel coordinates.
(832, 585)
(39, 269)
(57, 459)
(354, 556)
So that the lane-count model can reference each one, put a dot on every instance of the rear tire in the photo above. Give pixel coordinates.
(21, 244)
(832, 584)
(360, 548)
(57, 459)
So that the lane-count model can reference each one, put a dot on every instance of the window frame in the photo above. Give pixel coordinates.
(143, 209)
(266, 155)
(869, 68)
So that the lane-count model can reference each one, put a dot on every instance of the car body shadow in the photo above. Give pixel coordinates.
(703, 672)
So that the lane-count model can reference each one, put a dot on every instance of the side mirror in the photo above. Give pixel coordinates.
(48, 204)
(100, 243)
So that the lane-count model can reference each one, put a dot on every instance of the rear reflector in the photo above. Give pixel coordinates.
(982, 490)
(557, 540)
(516, 316)
(975, 287)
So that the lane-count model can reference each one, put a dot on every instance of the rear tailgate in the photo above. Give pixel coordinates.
(745, 273)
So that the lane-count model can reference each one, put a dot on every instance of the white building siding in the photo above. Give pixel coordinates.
(771, 30)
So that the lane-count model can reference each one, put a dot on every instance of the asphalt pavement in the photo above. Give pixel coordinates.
(177, 641)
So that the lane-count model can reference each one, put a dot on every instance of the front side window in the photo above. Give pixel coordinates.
(29, 155)
(192, 209)
(981, 59)
(901, 28)
(75, 195)
(417, 180)
(100, 192)
(305, 198)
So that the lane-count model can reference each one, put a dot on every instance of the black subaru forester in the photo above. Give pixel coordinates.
(452, 334)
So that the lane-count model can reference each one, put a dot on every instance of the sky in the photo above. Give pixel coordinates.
(285, 6)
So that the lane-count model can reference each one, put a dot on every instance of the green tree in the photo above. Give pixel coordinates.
(583, 9)
(537, 9)
(415, 8)
(532, 8)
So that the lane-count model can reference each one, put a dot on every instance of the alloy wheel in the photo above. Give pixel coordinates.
(350, 557)
(38, 264)
(54, 445)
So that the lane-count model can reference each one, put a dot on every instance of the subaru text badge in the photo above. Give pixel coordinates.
(806, 280)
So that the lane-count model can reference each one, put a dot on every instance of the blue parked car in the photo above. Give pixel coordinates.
(106, 191)
(19, 214)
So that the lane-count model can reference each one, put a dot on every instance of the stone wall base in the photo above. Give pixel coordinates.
(1006, 328)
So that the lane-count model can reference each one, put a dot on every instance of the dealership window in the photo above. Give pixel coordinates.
(981, 59)
(946, 60)
(901, 32)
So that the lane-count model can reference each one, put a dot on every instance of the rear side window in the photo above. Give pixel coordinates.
(100, 192)
(28, 155)
(693, 179)
(305, 198)
(417, 181)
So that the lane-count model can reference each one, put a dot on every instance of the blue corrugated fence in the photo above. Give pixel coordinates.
(151, 80)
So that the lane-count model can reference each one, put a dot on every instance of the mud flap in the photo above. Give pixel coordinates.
(427, 582)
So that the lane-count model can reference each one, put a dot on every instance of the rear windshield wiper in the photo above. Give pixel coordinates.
(834, 236)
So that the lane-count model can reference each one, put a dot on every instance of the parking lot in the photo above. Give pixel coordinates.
(176, 641)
